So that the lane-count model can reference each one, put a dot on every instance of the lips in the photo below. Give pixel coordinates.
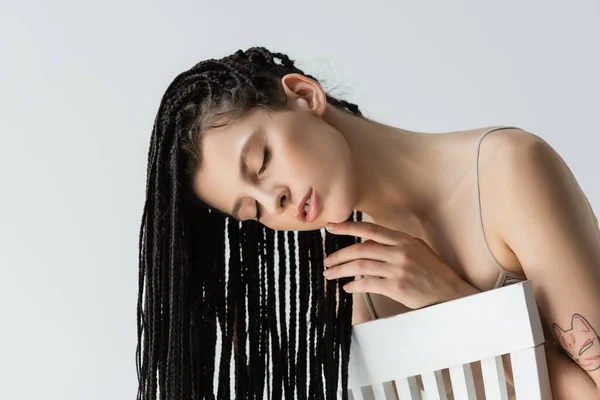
(300, 214)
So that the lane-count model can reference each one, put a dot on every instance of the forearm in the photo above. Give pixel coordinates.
(568, 380)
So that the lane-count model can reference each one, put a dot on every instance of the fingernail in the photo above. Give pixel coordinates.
(326, 261)
(330, 226)
(326, 272)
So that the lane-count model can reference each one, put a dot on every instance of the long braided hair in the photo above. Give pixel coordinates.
(191, 294)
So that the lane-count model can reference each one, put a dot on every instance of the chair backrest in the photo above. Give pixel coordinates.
(388, 354)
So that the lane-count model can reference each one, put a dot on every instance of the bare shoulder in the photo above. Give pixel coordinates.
(503, 142)
(500, 151)
(507, 149)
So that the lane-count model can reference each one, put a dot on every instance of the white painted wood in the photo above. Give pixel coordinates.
(380, 391)
(407, 388)
(433, 384)
(494, 381)
(362, 394)
(448, 335)
(452, 332)
(463, 386)
(530, 373)
(385, 391)
(367, 393)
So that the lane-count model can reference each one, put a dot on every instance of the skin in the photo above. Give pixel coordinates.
(394, 174)
(353, 164)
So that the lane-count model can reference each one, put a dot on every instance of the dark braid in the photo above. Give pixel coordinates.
(187, 286)
(303, 282)
(293, 314)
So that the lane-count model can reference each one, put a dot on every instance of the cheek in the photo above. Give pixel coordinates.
(219, 190)
(318, 154)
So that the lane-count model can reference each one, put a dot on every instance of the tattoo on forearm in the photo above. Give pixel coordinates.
(581, 342)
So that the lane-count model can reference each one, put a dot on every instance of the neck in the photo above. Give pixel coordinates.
(397, 172)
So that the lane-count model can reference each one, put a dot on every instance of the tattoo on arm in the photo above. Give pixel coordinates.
(580, 342)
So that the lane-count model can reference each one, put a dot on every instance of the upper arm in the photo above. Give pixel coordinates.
(550, 227)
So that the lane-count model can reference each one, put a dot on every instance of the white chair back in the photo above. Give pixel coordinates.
(387, 355)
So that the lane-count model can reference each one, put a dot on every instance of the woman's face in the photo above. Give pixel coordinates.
(302, 152)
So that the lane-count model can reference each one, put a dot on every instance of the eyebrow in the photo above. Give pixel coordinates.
(243, 171)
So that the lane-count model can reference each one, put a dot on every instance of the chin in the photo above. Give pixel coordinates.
(342, 212)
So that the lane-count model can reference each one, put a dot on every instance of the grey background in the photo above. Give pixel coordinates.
(80, 84)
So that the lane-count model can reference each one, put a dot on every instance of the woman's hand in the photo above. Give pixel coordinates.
(412, 272)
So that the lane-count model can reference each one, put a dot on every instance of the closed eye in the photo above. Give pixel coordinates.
(266, 159)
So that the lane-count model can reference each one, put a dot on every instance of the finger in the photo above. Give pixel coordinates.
(358, 267)
(369, 250)
(368, 230)
(370, 285)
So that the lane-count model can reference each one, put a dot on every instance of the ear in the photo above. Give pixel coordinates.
(580, 324)
(305, 93)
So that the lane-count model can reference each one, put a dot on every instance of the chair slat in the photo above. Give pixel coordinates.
(382, 391)
(463, 385)
(385, 391)
(530, 373)
(408, 389)
(433, 383)
(363, 394)
(494, 381)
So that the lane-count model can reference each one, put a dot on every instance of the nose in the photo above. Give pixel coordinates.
(275, 201)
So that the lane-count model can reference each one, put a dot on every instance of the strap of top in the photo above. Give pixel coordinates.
(506, 276)
(370, 305)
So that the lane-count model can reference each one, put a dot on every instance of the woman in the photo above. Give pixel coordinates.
(248, 150)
